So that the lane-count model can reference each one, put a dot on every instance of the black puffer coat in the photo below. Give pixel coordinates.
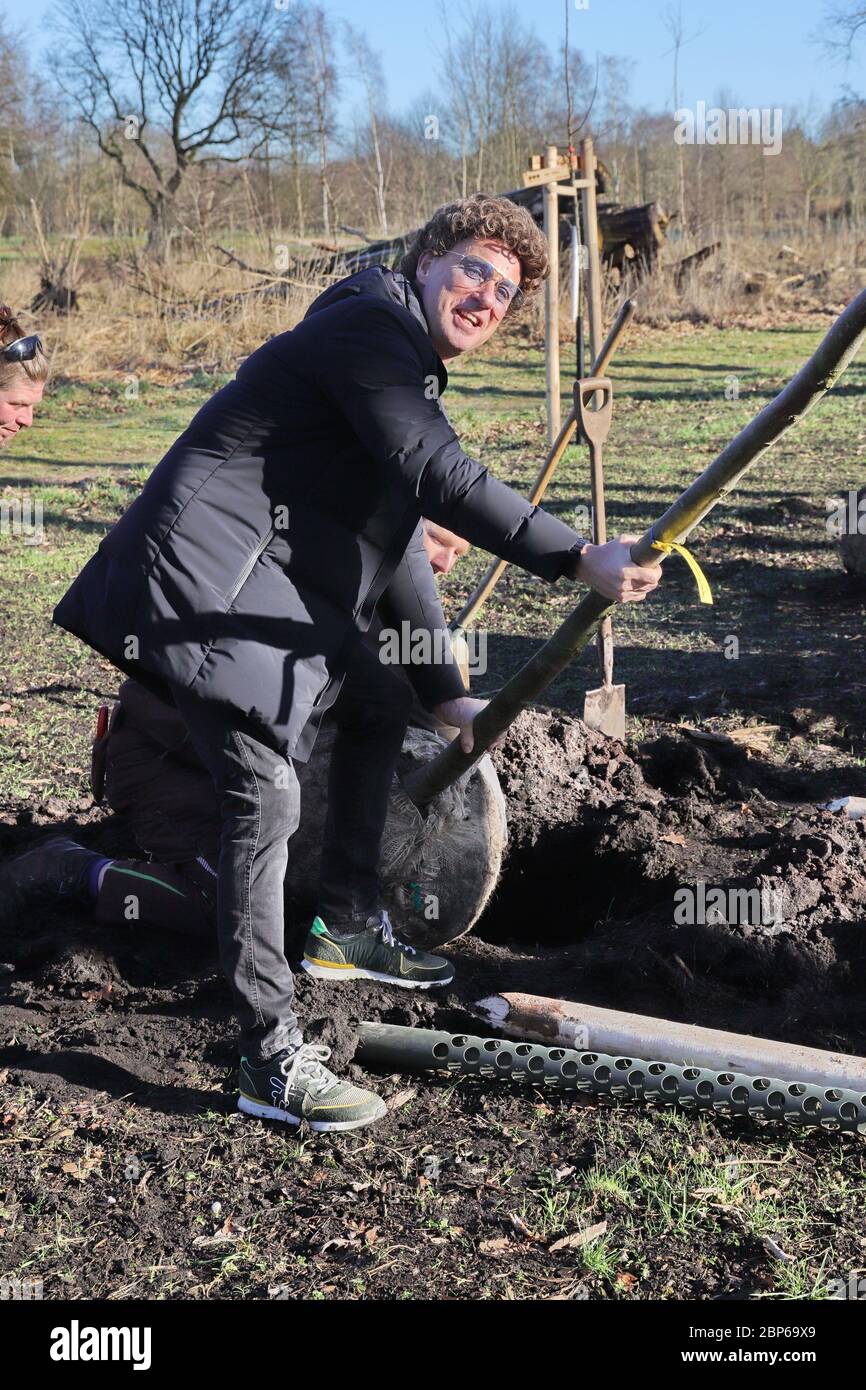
(258, 548)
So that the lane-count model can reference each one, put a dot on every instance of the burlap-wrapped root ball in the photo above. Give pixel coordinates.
(438, 865)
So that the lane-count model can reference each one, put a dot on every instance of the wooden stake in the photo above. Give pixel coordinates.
(551, 301)
(590, 231)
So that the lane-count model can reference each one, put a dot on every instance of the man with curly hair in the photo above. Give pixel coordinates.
(240, 582)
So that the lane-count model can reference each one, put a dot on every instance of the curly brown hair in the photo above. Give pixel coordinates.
(482, 215)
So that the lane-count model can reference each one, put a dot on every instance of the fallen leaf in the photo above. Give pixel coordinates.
(402, 1098)
(579, 1238)
(673, 839)
(495, 1246)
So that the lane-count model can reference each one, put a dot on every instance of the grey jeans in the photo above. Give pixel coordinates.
(260, 808)
(259, 803)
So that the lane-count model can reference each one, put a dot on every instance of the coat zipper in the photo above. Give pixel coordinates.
(249, 566)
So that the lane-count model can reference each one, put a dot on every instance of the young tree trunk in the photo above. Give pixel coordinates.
(160, 229)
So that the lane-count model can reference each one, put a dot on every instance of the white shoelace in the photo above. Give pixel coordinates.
(307, 1064)
(388, 934)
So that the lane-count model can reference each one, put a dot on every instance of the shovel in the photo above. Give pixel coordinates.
(604, 708)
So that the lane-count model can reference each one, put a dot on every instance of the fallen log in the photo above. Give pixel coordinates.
(682, 267)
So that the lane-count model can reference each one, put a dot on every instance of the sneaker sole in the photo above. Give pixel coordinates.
(270, 1112)
(321, 972)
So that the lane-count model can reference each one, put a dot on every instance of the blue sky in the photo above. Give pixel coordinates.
(763, 52)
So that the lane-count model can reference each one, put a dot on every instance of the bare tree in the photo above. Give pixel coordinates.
(26, 115)
(165, 87)
(293, 129)
(369, 69)
(846, 24)
(673, 22)
(317, 47)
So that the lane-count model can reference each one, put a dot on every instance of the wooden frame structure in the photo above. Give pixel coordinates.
(550, 170)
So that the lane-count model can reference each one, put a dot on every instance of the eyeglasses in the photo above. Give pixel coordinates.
(21, 349)
(474, 271)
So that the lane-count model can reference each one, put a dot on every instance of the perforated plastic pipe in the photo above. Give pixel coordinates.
(797, 1103)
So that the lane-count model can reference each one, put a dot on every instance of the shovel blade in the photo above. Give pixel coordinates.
(604, 710)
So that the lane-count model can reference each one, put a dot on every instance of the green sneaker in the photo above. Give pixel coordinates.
(372, 954)
(295, 1086)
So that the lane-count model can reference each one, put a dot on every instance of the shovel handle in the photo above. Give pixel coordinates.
(594, 424)
(605, 651)
(596, 485)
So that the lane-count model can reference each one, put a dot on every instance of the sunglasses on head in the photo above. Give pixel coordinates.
(21, 349)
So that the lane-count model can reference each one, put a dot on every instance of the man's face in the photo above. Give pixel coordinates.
(461, 319)
(16, 406)
(443, 548)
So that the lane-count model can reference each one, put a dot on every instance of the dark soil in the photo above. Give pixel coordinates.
(118, 1052)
